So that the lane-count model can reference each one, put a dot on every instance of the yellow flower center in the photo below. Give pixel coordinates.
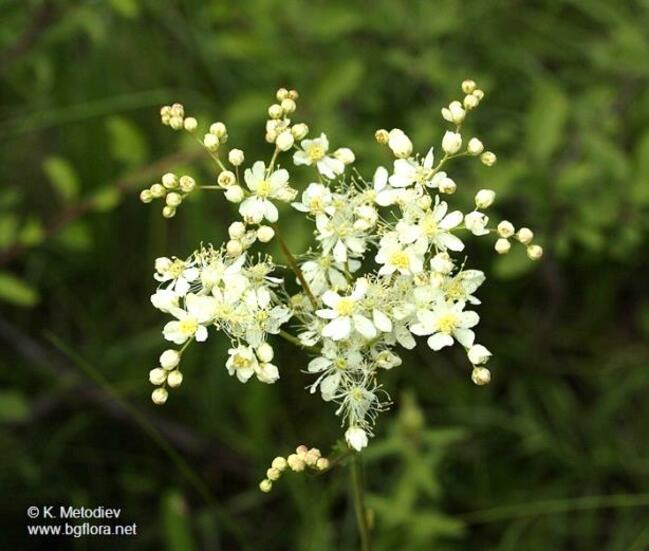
(263, 189)
(188, 326)
(241, 362)
(400, 260)
(455, 290)
(176, 268)
(447, 323)
(315, 152)
(429, 225)
(357, 394)
(345, 306)
(340, 363)
(422, 175)
(316, 205)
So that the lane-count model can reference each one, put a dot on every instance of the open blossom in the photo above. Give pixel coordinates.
(345, 315)
(476, 222)
(408, 172)
(191, 322)
(178, 273)
(314, 152)
(444, 323)
(407, 259)
(316, 199)
(263, 188)
(435, 226)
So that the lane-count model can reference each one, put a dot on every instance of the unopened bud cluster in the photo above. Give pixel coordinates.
(172, 190)
(304, 458)
(167, 375)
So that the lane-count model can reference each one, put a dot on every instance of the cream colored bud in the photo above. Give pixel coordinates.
(448, 186)
(169, 180)
(293, 94)
(177, 110)
(158, 190)
(159, 396)
(481, 376)
(218, 129)
(275, 111)
(485, 198)
(399, 143)
(505, 229)
(475, 147)
(265, 233)
(322, 464)
(478, 354)
(234, 194)
(173, 199)
(157, 376)
(454, 113)
(273, 474)
(176, 123)
(211, 142)
(300, 131)
(285, 140)
(279, 463)
(488, 158)
(226, 179)
(295, 463)
(479, 94)
(234, 248)
(175, 379)
(169, 359)
(470, 102)
(282, 93)
(265, 352)
(468, 86)
(382, 136)
(146, 196)
(345, 155)
(525, 236)
(237, 230)
(270, 136)
(451, 142)
(165, 111)
(301, 449)
(265, 485)
(310, 459)
(502, 246)
(187, 184)
(288, 105)
(534, 252)
(168, 212)
(236, 157)
(190, 124)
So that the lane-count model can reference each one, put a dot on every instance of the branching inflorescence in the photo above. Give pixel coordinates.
(387, 264)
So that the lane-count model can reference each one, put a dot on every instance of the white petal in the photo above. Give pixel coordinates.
(439, 341)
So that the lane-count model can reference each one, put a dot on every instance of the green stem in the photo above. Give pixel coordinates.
(293, 339)
(359, 502)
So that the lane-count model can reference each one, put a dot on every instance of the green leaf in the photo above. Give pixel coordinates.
(176, 522)
(513, 264)
(126, 8)
(63, 177)
(105, 199)
(32, 232)
(546, 121)
(13, 406)
(127, 144)
(16, 291)
(75, 237)
(8, 227)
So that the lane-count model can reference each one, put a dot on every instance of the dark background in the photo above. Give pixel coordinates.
(554, 454)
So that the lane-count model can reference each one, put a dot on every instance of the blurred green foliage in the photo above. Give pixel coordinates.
(454, 466)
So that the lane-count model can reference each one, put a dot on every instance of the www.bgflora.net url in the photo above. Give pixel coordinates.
(80, 530)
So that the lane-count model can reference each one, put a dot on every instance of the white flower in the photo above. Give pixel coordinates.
(435, 225)
(344, 314)
(333, 363)
(447, 321)
(409, 171)
(384, 194)
(165, 300)
(258, 206)
(451, 142)
(201, 310)
(484, 198)
(345, 155)
(475, 147)
(323, 273)
(454, 113)
(399, 143)
(478, 354)
(242, 362)
(395, 256)
(315, 152)
(476, 223)
(339, 236)
(356, 437)
(178, 272)
(316, 199)
(285, 140)
(463, 285)
(441, 263)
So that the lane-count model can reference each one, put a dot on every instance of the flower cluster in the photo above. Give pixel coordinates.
(387, 264)
(303, 458)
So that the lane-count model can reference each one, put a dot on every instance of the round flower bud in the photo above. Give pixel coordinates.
(488, 158)
(288, 105)
(175, 379)
(525, 236)
(265, 352)
(234, 248)
(447, 185)
(169, 180)
(282, 93)
(190, 124)
(211, 142)
(470, 102)
(468, 86)
(271, 136)
(301, 449)
(169, 212)
(273, 474)
(159, 396)
(234, 194)
(285, 140)
(187, 184)
(451, 142)
(169, 359)
(454, 113)
(476, 223)
(275, 111)
(478, 94)
(265, 485)
(176, 123)
(158, 190)
(480, 376)
(322, 464)
(505, 229)
(478, 354)
(236, 157)
(236, 230)
(399, 143)
(475, 147)
(502, 246)
(534, 252)
(173, 199)
(218, 129)
(146, 196)
(345, 155)
(300, 131)
(265, 233)
(157, 376)
(484, 198)
(279, 463)
(293, 94)
(226, 179)
(382, 136)
(177, 110)
(442, 263)
(295, 463)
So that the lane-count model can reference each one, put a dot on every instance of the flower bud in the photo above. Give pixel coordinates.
(293, 94)
(288, 105)
(295, 463)
(211, 142)
(478, 94)
(159, 396)
(187, 184)
(218, 129)
(226, 179)
(470, 102)
(265, 233)
(502, 246)
(169, 359)
(177, 110)
(484, 198)
(146, 196)
(480, 376)
(345, 155)
(275, 111)
(265, 352)
(282, 93)
(273, 474)
(190, 124)
(399, 143)
(169, 180)
(475, 147)
(234, 248)
(476, 223)
(478, 354)
(175, 379)
(451, 142)
(505, 229)
(300, 131)
(236, 157)
(234, 194)
(279, 463)
(488, 158)
(173, 199)
(157, 376)
(236, 230)
(448, 186)
(441, 263)
(356, 438)
(382, 136)
(169, 212)
(265, 485)
(158, 190)
(534, 252)
(525, 236)
(176, 123)
(468, 86)
(454, 112)
(322, 464)
(285, 140)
